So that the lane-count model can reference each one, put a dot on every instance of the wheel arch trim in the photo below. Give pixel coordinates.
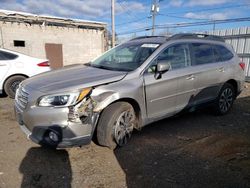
(114, 98)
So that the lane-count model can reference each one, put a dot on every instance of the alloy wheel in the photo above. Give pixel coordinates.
(15, 85)
(123, 127)
(226, 100)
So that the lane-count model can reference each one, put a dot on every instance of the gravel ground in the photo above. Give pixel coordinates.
(192, 150)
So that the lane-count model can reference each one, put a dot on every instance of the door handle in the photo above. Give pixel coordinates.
(221, 69)
(190, 77)
(1, 65)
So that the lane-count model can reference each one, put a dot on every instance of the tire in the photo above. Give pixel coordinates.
(11, 85)
(225, 99)
(116, 125)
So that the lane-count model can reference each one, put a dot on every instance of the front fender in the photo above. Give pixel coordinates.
(103, 98)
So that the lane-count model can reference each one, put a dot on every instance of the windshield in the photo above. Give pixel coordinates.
(125, 57)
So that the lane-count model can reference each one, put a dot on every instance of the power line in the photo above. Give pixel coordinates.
(210, 9)
(187, 24)
(127, 11)
(173, 14)
(132, 21)
(181, 17)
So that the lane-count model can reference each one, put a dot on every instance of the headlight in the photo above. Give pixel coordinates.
(60, 100)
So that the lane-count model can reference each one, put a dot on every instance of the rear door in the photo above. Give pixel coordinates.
(209, 70)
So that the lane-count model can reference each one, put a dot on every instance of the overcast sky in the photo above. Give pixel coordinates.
(132, 15)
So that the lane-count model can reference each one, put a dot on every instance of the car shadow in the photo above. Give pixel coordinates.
(3, 95)
(193, 150)
(43, 167)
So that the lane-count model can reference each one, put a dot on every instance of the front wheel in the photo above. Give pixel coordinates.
(225, 99)
(116, 125)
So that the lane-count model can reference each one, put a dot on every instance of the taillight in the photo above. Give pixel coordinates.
(242, 65)
(43, 64)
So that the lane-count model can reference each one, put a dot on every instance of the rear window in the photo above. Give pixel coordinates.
(224, 53)
(202, 53)
(7, 56)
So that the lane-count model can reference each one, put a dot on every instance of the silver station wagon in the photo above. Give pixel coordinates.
(134, 84)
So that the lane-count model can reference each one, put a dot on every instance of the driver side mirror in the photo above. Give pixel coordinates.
(162, 67)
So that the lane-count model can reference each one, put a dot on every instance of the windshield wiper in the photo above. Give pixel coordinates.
(102, 67)
(87, 64)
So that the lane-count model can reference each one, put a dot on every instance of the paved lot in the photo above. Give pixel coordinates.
(192, 150)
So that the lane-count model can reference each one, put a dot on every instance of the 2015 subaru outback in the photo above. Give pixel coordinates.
(138, 82)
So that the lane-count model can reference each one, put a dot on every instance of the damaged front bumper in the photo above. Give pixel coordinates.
(59, 127)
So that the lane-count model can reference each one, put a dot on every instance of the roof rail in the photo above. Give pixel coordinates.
(142, 37)
(196, 36)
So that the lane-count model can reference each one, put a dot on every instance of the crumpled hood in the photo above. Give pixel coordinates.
(70, 78)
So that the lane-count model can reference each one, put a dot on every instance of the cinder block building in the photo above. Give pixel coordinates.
(63, 41)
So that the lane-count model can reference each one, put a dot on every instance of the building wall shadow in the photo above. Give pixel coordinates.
(43, 167)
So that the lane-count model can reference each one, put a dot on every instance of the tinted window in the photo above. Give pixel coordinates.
(2, 56)
(224, 53)
(203, 53)
(7, 56)
(217, 55)
(177, 55)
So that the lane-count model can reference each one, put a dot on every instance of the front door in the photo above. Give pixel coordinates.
(166, 95)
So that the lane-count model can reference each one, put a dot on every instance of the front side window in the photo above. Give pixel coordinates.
(177, 56)
(202, 53)
(126, 57)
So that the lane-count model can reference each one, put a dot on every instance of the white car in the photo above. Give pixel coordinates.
(15, 67)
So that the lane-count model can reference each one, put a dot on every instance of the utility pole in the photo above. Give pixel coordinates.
(154, 11)
(113, 21)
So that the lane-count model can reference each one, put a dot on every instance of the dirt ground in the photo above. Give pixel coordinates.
(192, 150)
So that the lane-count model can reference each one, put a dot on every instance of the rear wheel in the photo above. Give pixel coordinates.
(225, 99)
(116, 125)
(12, 84)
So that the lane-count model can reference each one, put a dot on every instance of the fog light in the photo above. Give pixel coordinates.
(53, 136)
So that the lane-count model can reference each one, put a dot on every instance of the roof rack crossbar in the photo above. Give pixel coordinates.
(196, 36)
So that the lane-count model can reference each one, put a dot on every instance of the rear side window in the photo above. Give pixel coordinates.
(224, 53)
(7, 56)
(202, 54)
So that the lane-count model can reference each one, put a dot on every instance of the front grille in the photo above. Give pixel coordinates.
(22, 98)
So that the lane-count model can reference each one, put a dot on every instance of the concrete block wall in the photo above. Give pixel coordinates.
(79, 45)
